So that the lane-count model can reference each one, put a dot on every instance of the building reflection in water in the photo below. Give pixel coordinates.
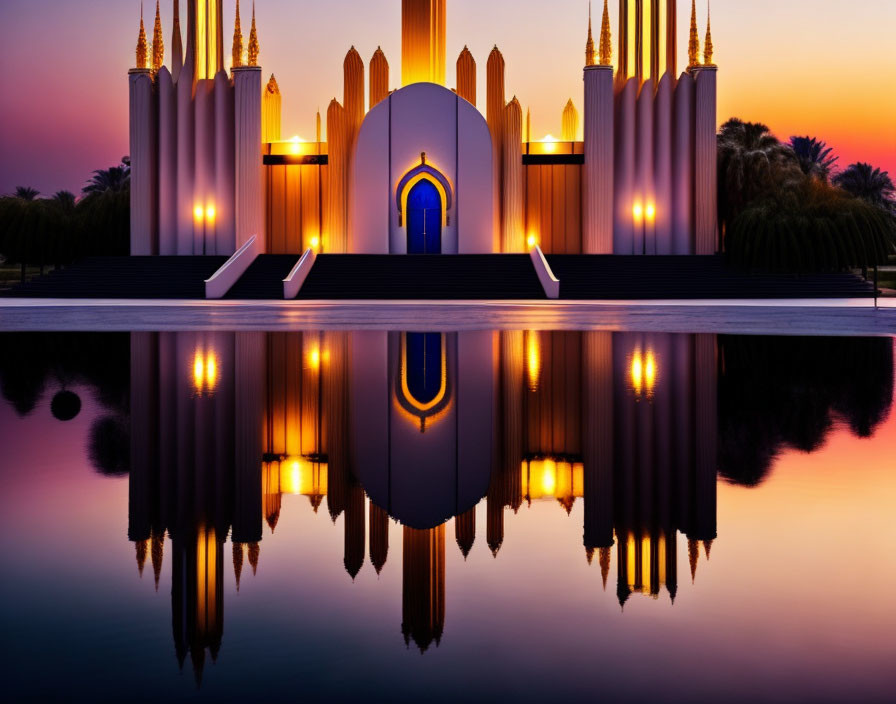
(419, 428)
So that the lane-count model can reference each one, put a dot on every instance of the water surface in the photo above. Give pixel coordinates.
(460, 516)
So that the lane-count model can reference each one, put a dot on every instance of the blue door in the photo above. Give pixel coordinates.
(424, 366)
(424, 219)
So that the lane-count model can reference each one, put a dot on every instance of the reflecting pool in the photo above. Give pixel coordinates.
(455, 516)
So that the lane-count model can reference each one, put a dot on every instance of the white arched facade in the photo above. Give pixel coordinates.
(422, 119)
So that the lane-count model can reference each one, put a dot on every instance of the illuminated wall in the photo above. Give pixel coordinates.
(423, 27)
(296, 201)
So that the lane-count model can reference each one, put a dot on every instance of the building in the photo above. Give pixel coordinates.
(420, 169)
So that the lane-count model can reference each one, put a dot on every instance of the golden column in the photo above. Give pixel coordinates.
(353, 92)
(334, 239)
(271, 112)
(514, 237)
(423, 41)
(423, 586)
(570, 122)
(495, 117)
(465, 531)
(466, 76)
(379, 78)
(379, 536)
(177, 44)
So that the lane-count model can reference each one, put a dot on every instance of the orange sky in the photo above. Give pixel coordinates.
(820, 67)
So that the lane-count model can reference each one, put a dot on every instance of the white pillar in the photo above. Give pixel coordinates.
(225, 241)
(705, 164)
(662, 150)
(683, 167)
(247, 164)
(624, 231)
(185, 158)
(598, 181)
(167, 163)
(143, 133)
(644, 191)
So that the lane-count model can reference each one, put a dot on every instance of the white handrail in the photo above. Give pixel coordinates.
(293, 283)
(224, 278)
(549, 282)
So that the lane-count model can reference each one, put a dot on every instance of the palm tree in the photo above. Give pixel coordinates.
(869, 184)
(810, 227)
(26, 193)
(115, 179)
(814, 157)
(65, 200)
(752, 164)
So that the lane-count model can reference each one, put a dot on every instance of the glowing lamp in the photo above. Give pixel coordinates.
(210, 213)
(314, 359)
(550, 144)
(315, 242)
(651, 212)
(638, 212)
(531, 241)
(295, 145)
(198, 213)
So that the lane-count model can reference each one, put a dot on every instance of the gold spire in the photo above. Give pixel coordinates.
(707, 45)
(589, 45)
(142, 53)
(528, 125)
(694, 43)
(158, 43)
(606, 39)
(253, 41)
(570, 129)
(237, 38)
(272, 87)
(693, 557)
(318, 133)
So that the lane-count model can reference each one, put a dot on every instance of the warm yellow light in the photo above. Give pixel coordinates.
(651, 212)
(549, 478)
(643, 373)
(314, 359)
(198, 372)
(550, 144)
(552, 479)
(211, 372)
(638, 212)
(315, 242)
(210, 213)
(532, 241)
(302, 477)
(295, 145)
(650, 371)
(198, 213)
(637, 372)
(533, 359)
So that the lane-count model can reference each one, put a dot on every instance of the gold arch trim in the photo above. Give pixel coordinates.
(407, 191)
(406, 392)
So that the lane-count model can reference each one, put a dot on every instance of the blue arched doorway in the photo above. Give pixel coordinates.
(424, 218)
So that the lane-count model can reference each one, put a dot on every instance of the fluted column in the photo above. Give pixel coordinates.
(597, 434)
(645, 224)
(143, 134)
(204, 165)
(598, 180)
(250, 349)
(624, 32)
(705, 164)
(353, 95)
(334, 240)
(672, 37)
(683, 167)
(379, 78)
(513, 239)
(495, 119)
(185, 158)
(466, 76)
(624, 190)
(248, 167)
(167, 163)
(706, 456)
(225, 223)
(662, 160)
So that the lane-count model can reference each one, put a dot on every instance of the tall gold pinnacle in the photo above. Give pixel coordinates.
(606, 39)
(237, 38)
(253, 41)
(272, 86)
(589, 45)
(694, 43)
(142, 52)
(158, 43)
(707, 45)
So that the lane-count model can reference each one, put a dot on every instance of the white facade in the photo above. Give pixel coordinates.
(423, 118)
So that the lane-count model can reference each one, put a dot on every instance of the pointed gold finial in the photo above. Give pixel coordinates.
(589, 45)
(528, 125)
(253, 41)
(606, 39)
(273, 88)
(158, 43)
(237, 38)
(707, 45)
(694, 43)
(142, 52)
(570, 124)
(318, 132)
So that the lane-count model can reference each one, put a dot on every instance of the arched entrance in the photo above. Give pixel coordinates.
(424, 215)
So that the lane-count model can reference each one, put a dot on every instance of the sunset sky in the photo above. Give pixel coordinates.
(821, 67)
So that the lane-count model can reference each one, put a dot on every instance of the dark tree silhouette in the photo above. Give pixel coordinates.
(870, 184)
(26, 193)
(814, 157)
